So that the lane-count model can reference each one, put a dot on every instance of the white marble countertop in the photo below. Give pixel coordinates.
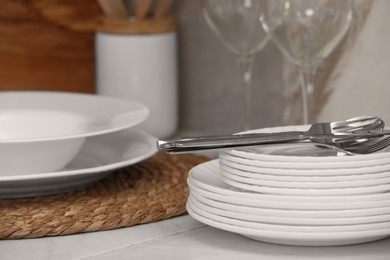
(177, 238)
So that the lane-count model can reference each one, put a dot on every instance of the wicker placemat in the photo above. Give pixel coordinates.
(148, 191)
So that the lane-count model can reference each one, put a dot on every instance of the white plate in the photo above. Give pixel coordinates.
(95, 114)
(309, 178)
(308, 172)
(294, 213)
(309, 192)
(223, 156)
(296, 238)
(96, 159)
(292, 228)
(296, 152)
(207, 178)
(285, 220)
(288, 203)
(237, 175)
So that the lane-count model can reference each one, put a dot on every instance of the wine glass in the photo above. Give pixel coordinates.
(306, 32)
(236, 23)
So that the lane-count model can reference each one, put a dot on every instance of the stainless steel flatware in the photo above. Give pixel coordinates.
(341, 134)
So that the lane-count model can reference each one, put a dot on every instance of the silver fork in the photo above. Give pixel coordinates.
(372, 145)
(332, 133)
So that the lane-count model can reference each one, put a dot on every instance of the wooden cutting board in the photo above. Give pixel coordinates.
(48, 44)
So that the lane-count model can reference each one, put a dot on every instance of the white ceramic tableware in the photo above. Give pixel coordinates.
(286, 220)
(96, 159)
(295, 202)
(304, 165)
(206, 178)
(293, 228)
(294, 213)
(309, 172)
(42, 131)
(376, 173)
(235, 175)
(381, 188)
(296, 238)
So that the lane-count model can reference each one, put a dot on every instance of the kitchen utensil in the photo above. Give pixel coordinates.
(114, 8)
(334, 133)
(142, 8)
(162, 8)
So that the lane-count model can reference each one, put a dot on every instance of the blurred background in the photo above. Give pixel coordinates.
(49, 44)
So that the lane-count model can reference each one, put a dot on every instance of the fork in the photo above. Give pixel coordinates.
(333, 133)
(370, 146)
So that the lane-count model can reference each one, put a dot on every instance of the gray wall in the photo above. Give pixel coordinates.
(209, 79)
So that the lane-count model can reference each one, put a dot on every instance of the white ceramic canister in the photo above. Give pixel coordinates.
(139, 62)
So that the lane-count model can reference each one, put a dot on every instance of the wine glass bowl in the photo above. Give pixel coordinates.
(236, 24)
(306, 32)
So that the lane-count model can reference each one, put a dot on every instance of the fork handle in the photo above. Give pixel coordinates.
(228, 141)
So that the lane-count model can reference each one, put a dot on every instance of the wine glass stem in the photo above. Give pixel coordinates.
(307, 86)
(246, 65)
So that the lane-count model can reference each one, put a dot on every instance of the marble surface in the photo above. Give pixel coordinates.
(177, 238)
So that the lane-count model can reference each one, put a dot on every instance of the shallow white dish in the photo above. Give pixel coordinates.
(286, 220)
(97, 158)
(236, 175)
(294, 213)
(306, 178)
(206, 178)
(323, 172)
(303, 165)
(29, 115)
(294, 203)
(42, 131)
(291, 228)
(309, 192)
(307, 152)
(295, 238)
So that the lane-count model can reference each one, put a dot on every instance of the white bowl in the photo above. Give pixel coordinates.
(43, 131)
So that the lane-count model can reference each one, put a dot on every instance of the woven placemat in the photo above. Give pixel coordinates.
(152, 190)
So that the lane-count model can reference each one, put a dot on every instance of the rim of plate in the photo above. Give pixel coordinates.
(289, 220)
(261, 175)
(143, 137)
(207, 176)
(309, 192)
(293, 228)
(295, 239)
(236, 175)
(304, 165)
(308, 172)
(288, 204)
(129, 113)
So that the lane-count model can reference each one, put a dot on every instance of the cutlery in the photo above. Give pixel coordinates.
(372, 145)
(341, 134)
(163, 7)
(142, 8)
(113, 8)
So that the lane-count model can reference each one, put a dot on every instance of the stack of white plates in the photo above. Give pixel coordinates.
(294, 195)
